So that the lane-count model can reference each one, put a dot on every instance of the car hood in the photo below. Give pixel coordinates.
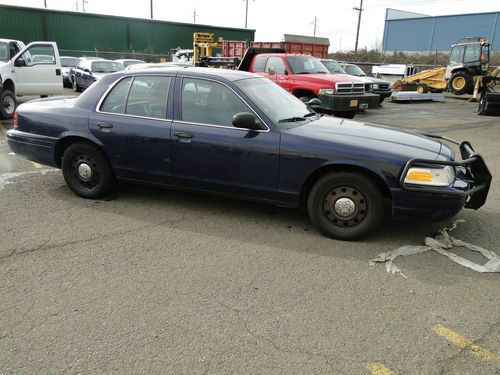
(380, 139)
(333, 78)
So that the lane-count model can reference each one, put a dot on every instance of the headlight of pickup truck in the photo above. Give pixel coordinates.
(375, 86)
(326, 91)
(430, 176)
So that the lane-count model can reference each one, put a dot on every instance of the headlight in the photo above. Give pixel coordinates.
(430, 176)
(327, 91)
(375, 86)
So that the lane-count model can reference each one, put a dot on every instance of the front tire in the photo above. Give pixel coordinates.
(87, 171)
(345, 206)
(7, 104)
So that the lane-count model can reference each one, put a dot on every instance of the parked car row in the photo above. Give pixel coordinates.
(80, 72)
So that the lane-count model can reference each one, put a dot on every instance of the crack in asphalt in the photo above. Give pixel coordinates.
(44, 246)
(446, 362)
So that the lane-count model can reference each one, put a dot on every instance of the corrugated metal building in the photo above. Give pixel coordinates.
(87, 32)
(406, 31)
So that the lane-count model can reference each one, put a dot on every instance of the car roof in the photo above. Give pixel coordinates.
(230, 75)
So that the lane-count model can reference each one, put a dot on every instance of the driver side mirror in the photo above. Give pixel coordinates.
(314, 102)
(87, 71)
(271, 71)
(19, 62)
(245, 120)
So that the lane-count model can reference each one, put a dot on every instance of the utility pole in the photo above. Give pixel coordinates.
(151, 7)
(45, 3)
(194, 15)
(83, 5)
(360, 9)
(76, 3)
(246, 14)
(315, 22)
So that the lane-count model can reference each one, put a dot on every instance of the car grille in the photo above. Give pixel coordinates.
(350, 88)
(383, 86)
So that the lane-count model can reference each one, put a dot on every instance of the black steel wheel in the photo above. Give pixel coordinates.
(86, 170)
(7, 104)
(345, 205)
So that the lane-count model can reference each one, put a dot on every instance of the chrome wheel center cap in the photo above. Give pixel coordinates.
(345, 207)
(85, 172)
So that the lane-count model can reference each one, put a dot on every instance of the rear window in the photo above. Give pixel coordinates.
(259, 63)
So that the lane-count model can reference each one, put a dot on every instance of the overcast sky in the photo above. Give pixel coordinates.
(273, 18)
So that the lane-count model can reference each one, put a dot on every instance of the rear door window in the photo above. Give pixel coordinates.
(141, 96)
(259, 63)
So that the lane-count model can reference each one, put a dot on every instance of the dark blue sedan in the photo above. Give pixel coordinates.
(240, 135)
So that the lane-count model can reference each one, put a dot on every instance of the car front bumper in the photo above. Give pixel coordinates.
(383, 93)
(470, 189)
(37, 148)
(348, 102)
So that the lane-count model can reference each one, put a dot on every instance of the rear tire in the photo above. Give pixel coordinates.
(345, 206)
(8, 104)
(87, 171)
(461, 83)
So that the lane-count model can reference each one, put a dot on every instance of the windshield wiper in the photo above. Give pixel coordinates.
(292, 119)
(310, 114)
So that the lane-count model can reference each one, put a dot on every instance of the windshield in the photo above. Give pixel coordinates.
(280, 106)
(4, 52)
(69, 62)
(106, 67)
(333, 67)
(306, 65)
(354, 70)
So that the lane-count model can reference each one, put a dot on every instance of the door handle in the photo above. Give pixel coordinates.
(104, 126)
(183, 135)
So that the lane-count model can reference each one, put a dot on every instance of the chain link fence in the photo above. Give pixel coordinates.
(114, 55)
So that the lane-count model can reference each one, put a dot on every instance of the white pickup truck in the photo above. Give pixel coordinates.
(34, 69)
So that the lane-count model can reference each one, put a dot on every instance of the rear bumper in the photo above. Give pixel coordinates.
(346, 103)
(37, 148)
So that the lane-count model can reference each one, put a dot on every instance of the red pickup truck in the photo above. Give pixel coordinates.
(306, 77)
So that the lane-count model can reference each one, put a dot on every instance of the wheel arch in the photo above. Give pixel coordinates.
(63, 143)
(9, 85)
(378, 179)
(304, 92)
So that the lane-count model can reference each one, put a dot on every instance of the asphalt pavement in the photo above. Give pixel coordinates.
(156, 281)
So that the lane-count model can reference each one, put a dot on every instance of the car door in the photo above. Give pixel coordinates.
(133, 124)
(209, 153)
(38, 70)
(277, 72)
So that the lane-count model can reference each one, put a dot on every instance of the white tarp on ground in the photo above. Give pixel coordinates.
(441, 243)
